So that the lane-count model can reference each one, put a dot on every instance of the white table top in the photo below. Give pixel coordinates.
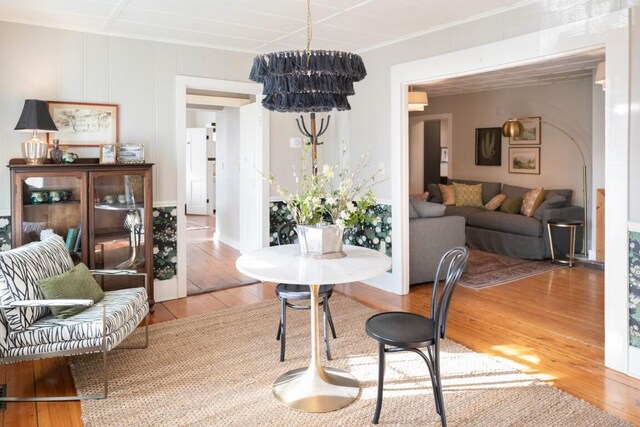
(282, 264)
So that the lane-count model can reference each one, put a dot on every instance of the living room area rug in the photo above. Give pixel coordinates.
(217, 369)
(486, 269)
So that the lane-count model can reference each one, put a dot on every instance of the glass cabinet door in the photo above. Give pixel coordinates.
(119, 235)
(52, 204)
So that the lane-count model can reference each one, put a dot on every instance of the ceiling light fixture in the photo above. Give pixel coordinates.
(417, 100)
(308, 81)
(600, 78)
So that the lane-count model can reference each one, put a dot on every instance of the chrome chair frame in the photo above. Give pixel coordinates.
(87, 350)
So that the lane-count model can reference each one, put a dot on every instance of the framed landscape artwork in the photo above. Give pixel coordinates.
(531, 133)
(84, 125)
(524, 160)
(489, 146)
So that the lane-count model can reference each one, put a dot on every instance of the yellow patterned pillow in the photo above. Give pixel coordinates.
(468, 195)
(495, 203)
(448, 195)
(531, 201)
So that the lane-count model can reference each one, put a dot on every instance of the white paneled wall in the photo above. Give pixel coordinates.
(138, 75)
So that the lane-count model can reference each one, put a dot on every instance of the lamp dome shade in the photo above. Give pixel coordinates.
(35, 116)
(418, 98)
(512, 128)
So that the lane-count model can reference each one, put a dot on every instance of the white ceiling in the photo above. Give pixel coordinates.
(255, 25)
(559, 70)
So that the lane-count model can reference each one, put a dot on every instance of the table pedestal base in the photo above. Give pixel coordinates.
(316, 389)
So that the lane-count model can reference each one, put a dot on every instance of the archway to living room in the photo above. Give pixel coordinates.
(510, 53)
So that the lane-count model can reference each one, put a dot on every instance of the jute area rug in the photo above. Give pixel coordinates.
(486, 269)
(217, 370)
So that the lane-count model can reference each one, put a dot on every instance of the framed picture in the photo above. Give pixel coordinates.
(524, 160)
(444, 155)
(130, 153)
(489, 146)
(83, 124)
(530, 134)
(107, 153)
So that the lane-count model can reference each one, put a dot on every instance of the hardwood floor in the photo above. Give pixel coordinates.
(205, 255)
(550, 326)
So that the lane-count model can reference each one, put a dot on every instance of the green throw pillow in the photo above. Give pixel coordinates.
(511, 205)
(77, 283)
(468, 195)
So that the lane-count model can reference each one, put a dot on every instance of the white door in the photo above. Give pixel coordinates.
(253, 188)
(196, 171)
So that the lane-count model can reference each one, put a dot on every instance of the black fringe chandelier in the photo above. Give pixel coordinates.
(309, 81)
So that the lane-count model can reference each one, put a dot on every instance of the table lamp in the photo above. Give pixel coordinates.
(35, 117)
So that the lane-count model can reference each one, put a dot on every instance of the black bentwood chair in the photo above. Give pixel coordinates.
(287, 292)
(401, 331)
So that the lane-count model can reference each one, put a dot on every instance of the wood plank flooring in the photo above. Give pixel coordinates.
(205, 255)
(550, 326)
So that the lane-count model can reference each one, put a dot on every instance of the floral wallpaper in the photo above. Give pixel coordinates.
(634, 289)
(372, 235)
(165, 251)
(5, 233)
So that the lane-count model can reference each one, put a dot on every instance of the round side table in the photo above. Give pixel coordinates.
(572, 225)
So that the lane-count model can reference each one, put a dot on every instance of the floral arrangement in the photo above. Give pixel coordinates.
(336, 194)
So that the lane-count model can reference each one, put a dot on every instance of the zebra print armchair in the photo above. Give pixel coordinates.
(29, 331)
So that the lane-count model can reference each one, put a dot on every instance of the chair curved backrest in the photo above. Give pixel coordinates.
(287, 234)
(451, 265)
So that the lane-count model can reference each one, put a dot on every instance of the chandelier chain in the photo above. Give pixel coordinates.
(309, 31)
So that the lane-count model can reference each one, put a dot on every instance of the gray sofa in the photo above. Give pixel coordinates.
(514, 234)
(430, 236)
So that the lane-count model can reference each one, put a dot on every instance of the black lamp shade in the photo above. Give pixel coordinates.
(35, 116)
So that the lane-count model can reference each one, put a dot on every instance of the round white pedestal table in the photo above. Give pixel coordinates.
(316, 388)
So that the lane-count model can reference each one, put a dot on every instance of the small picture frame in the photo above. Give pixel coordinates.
(128, 153)
(531, 133)
(524, 160)
(489, 146)
(444, 155)
(107, 153)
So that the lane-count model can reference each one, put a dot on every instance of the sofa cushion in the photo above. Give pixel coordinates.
(514, 191)
(489, 189)
(511, 205)
(412, 211)
(77, 283)
(567, 194)
(554, 202)
(22, 268)
(435, 196)
(423, 197)
(448, 194)
(464, 211)
(506, 222)
(531, 201)
(495, 203)
(468, 195)
(428, 209)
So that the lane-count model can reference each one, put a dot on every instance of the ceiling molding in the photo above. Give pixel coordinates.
(117, 11)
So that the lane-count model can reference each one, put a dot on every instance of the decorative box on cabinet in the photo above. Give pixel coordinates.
(104, 207)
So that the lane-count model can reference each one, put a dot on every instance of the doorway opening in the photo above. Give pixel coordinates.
(222, 139)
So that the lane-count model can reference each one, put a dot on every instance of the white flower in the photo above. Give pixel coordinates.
(289, 216)
(275, 208)
(378, 229)
(315, 201)
(156, 250)
(4, 222)
(174, 212)
(327, 171)
(345, 215)
(331, 201)
(156, 214)
(174, 259)
(364, 238)
(376, 240)
(340, 223)
(387, 239)
(352, 208)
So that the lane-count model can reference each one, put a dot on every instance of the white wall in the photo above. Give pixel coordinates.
(138, 75)
(197, 118)
(228, 176)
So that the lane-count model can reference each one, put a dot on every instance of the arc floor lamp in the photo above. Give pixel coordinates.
(513, 127)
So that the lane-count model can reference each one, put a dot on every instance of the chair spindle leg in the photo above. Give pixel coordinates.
(381, 368)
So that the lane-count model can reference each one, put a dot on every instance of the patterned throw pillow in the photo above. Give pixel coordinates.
(531, 201)
(20, 270)
(495, 203)
(448, 194)
(421, 197)
(468, 195)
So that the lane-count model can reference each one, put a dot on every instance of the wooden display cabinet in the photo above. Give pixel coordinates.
(104, 207)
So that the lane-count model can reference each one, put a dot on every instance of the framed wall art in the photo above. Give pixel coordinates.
(524, 160)
(489, 146)
(107, 153)
(83, 124)
(531, 133)
(130, 153)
